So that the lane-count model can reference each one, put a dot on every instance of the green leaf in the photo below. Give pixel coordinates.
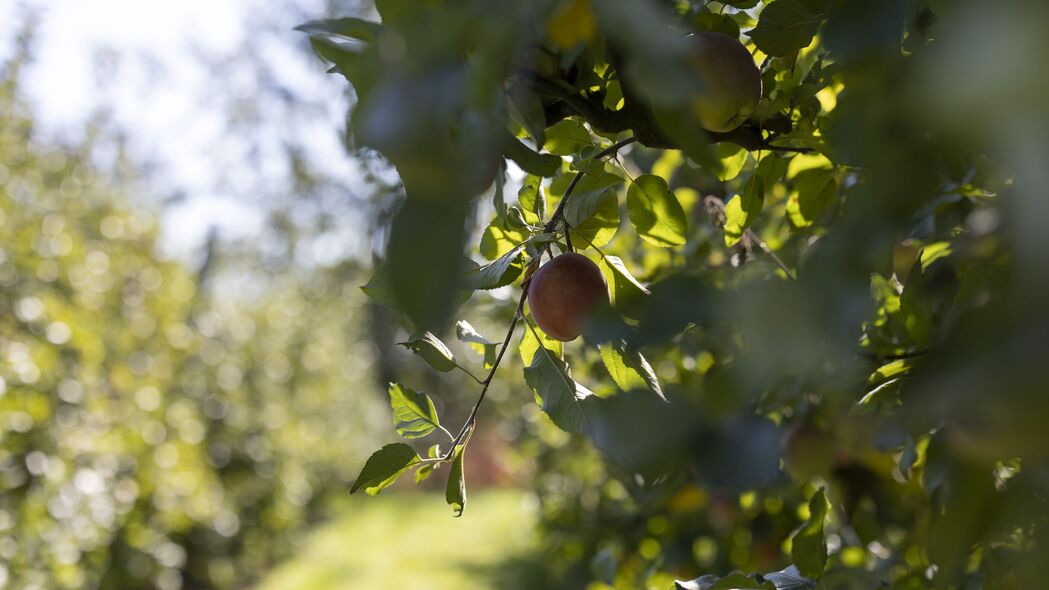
(527, 109)
(790, 579)
(625, 288)
(592, 209)
(733, 159)
(935, 251)
(808, 546)
(532, 200)
(733, 581)
(425, 282)
(455, 491)
(740, 581)
(567, 137)
(613, 95)
(384, 467)
(917, 308)
(599, 212)
(498, 198)
(423, 473)
(397, 11)
(629, 369)
(719, 23)
(528, 159)
(588, 197)
(498, 240)
(432, 350)
(814, 190)
(413, 413)
(743, 210)
(771, 169)
(787, 579)
(785, 26)
(891, 369)
(530, 344)
(496, 274)
(655, 212)
(353, 28)
(378, 289)
(468, 335)
(560, 397)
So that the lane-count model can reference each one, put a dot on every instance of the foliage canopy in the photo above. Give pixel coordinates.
(843, 299)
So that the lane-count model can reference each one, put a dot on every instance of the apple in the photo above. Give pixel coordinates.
(563, 293)
(731, 81)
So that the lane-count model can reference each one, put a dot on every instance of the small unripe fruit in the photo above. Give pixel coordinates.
(563, 293)
(731, 81)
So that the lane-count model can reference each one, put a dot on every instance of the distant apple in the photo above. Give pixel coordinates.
(731, 81)
(563, 292)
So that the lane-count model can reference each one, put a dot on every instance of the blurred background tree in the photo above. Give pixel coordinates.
(162, 425)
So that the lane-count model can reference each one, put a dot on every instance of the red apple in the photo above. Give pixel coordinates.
(563, 292)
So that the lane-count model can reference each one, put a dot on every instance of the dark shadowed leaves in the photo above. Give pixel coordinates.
(626, 291)
(814, 190)
(528, 159)
(527, 109)
(498, 273)
(424, 281)
(808, 545)
(353, 28)
(564, 401)
(641, 433)
(739, 454)
(787, 25)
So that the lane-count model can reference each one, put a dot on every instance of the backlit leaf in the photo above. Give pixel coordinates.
(629, 369)
(655, 212)
(567, 137)
(414, 415)
(429, 348)
(384, 467)
(455, 491)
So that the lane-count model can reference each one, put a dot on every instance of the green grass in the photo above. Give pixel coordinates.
(411, 541)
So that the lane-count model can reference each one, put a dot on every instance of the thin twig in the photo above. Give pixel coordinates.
(716, 210)
(468, 372)
(445, 430)
(560, 211)
(491, 373)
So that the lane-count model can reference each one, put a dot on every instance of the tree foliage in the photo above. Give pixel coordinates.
(155, 433)
(843, 299)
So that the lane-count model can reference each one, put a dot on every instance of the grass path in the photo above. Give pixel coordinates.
(411, 541)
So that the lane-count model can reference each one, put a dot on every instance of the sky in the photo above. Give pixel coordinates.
(141, 62)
